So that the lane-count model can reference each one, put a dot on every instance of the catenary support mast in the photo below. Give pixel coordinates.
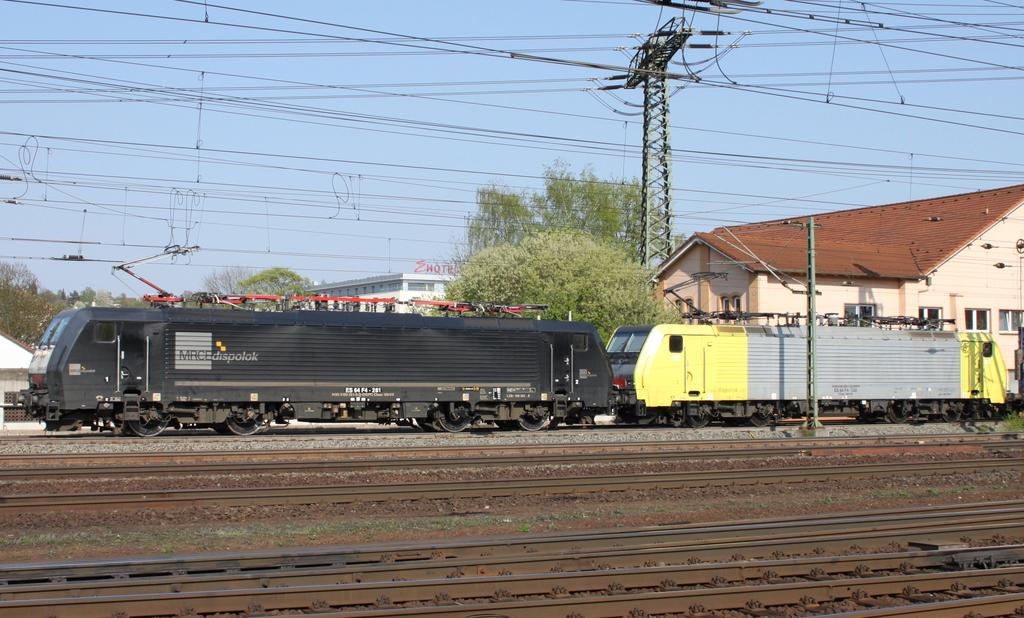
(649, 66)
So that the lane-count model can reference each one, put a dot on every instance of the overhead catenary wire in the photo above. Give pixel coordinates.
(431, 209)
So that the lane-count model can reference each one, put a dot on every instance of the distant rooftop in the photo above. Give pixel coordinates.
(378, 279)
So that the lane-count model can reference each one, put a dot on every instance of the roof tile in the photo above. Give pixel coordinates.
(904, 240)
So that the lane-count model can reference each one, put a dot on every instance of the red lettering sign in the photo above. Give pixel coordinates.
(424, 266)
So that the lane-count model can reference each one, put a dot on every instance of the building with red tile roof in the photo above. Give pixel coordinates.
(958, 258)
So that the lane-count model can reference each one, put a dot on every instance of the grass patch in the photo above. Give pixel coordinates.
(892, 493)
(1012, 422)
(960, 490)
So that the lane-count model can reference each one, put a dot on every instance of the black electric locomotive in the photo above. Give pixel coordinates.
(141, 370)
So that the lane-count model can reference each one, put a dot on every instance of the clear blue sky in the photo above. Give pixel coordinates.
(345, 139)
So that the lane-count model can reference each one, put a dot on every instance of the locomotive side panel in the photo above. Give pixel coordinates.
(343, 363)
(776, 364)
(855, 364)
(871, 364)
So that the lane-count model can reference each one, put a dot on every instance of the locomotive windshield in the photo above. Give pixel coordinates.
(53, 331)
(628, 341)
(623, 350)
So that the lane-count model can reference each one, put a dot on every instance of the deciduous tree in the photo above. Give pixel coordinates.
(276, 281)
(575, 274)
(227, 280)
(24, 314)
(606, 209)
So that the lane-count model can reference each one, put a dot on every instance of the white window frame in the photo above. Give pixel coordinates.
(972, 321)
(1011, 318)
(858, 312)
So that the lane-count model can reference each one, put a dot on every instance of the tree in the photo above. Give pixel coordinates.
(593, 280)
(24, 315)
(104, 299)
(606, 209)
(86, 298)
(227, 280)
(503, 216)
(274, 281)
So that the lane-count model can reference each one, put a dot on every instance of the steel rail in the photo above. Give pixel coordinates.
(1004, 605)
(734, 448)
(57, 468)
(703, 542)
(601, 593)
(383, 492)
(623, 561)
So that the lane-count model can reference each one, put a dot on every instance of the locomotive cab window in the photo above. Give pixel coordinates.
(675, 344)
(986, 349)
(53, 331)
(627, 342)
(579, 342)
(106, 332)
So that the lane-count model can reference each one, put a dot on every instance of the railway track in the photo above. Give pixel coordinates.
(867, 560)
(434, 490)
(43, 466)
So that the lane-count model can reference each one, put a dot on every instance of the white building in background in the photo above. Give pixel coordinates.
(397, 286)
(14, 360)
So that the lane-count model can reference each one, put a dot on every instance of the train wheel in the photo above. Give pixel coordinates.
(146, 429)
(952, 414)
(760, 419)
(147, 426)
(698, 417)
(897, 413)
(243, 427)
(533, 422)
(453, 420)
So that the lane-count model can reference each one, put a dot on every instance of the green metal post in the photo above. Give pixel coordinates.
(812, 332)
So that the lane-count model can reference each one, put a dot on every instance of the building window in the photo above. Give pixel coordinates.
(1009, 320)
(416, 286)
(931, 315)
(976, 320)
(859, 315)
(726, 303)
(737, 303)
